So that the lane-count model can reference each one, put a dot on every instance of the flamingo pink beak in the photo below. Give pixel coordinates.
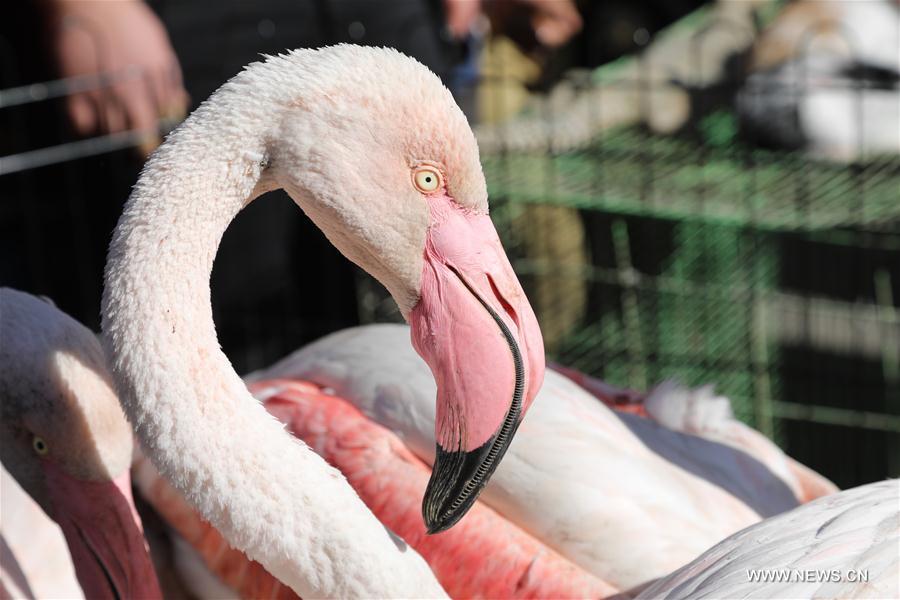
(104, 534)
(474, 327)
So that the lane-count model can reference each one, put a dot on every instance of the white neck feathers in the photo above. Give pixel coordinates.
(268, 493)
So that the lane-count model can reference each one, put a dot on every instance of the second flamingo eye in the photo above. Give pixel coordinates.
(39, 445)
(427, 179)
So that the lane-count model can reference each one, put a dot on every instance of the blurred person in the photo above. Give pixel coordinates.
(127, 39)
(547, 24)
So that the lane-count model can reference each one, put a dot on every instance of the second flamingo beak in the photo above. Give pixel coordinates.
(476, 330)
(104, 534)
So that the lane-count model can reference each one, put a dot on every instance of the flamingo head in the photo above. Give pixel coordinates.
(376, 151)
(64, 438)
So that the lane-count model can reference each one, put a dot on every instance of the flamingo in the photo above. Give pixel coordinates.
(624, 497)
(69, 451)
(839, 546)
(308, 419)
(372, 147)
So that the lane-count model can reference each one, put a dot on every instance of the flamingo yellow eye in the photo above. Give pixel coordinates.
(39, 445)
(427, 179)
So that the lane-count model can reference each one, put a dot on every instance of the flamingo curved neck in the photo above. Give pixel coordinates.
(265, 491)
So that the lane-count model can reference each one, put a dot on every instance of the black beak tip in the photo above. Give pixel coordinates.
(435, 527)
(456, 482)
(441, 518)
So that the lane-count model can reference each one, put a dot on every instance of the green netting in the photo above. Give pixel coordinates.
(632, 172)
(709, 308)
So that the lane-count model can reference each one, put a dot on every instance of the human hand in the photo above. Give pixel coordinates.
(126, 40)
(546, 23)
(554, 21)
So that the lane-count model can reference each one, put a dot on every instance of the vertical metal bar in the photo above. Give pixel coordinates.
(628, 280)
(759, 347)
(890, 360)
